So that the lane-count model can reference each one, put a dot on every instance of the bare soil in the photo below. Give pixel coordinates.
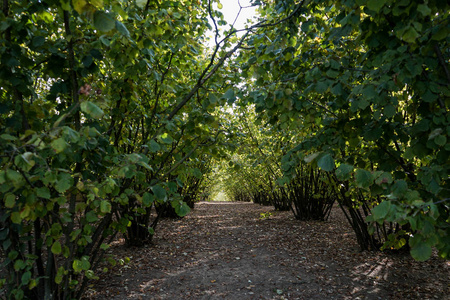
(229, 250)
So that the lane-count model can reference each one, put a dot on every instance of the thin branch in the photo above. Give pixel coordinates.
(66, 115)
(158, 93)
(204, 77)
(255, 140)
(442, 61)
(214, 22)
(73, 73)
(146, 6)
(247, 48)
(357, 70)
(323, 107)
(174, 167)
(237, 15)
(208, 72)
(262, 25)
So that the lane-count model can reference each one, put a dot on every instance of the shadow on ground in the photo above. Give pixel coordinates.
(244, 251)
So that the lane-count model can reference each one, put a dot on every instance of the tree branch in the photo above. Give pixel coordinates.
(441, 59)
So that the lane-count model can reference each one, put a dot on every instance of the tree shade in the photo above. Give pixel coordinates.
(110, 110)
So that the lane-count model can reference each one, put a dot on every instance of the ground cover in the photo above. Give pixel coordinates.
(230, 250)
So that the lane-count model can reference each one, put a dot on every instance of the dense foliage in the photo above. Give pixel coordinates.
(368, 84)
(103, 109)
(112, 112)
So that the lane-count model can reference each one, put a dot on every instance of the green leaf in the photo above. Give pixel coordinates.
(91, 109)
(25, 212)
(105, 206)
(64, 182)
(8, 137)
(25, 161)
(103, 21)
(321, 87)
(56, 248)
(373, 134)
(441, 34)
(19, 265)
(105, 41)
(65, 4)
(229, 95)
(166, 138)
(197, 173)
(159, 192)
(389, 111)
(87, 61)
(77, 266)
(91, 275)
(424, 9)
(59, 145)
(72, 135)
(133, 158)
(15, 177)
(26, 277)
(91, 217)
(59, 275)
(79, 5)
(212, 98)
(332, 73)
(145, 165)
(308, 159)
(363, 178)
(380, 211)
(376, 5)
(38, 41)
(33, 283)
(337, 89)
(343, 172)
(122, 29)
(410, 35)
(363, 103)
(173, 186)
(10, 200)
(147, 199)
(326, 163)
(13, 254)
(436, 132)
(16, 218)
(369, 92)
(399, 188)
(385, 177)
(288, 56)
(96, 3)
(85, 264)
(154, 146)
(181, 208)
(421, 251)
(141, 3)
(434, 211)
(440, 140)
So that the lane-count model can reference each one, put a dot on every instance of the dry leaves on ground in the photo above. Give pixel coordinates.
(230, 250)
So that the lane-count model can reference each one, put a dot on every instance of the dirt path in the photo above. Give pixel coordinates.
(231, 251)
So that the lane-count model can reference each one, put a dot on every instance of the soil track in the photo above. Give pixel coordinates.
(230, 250)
